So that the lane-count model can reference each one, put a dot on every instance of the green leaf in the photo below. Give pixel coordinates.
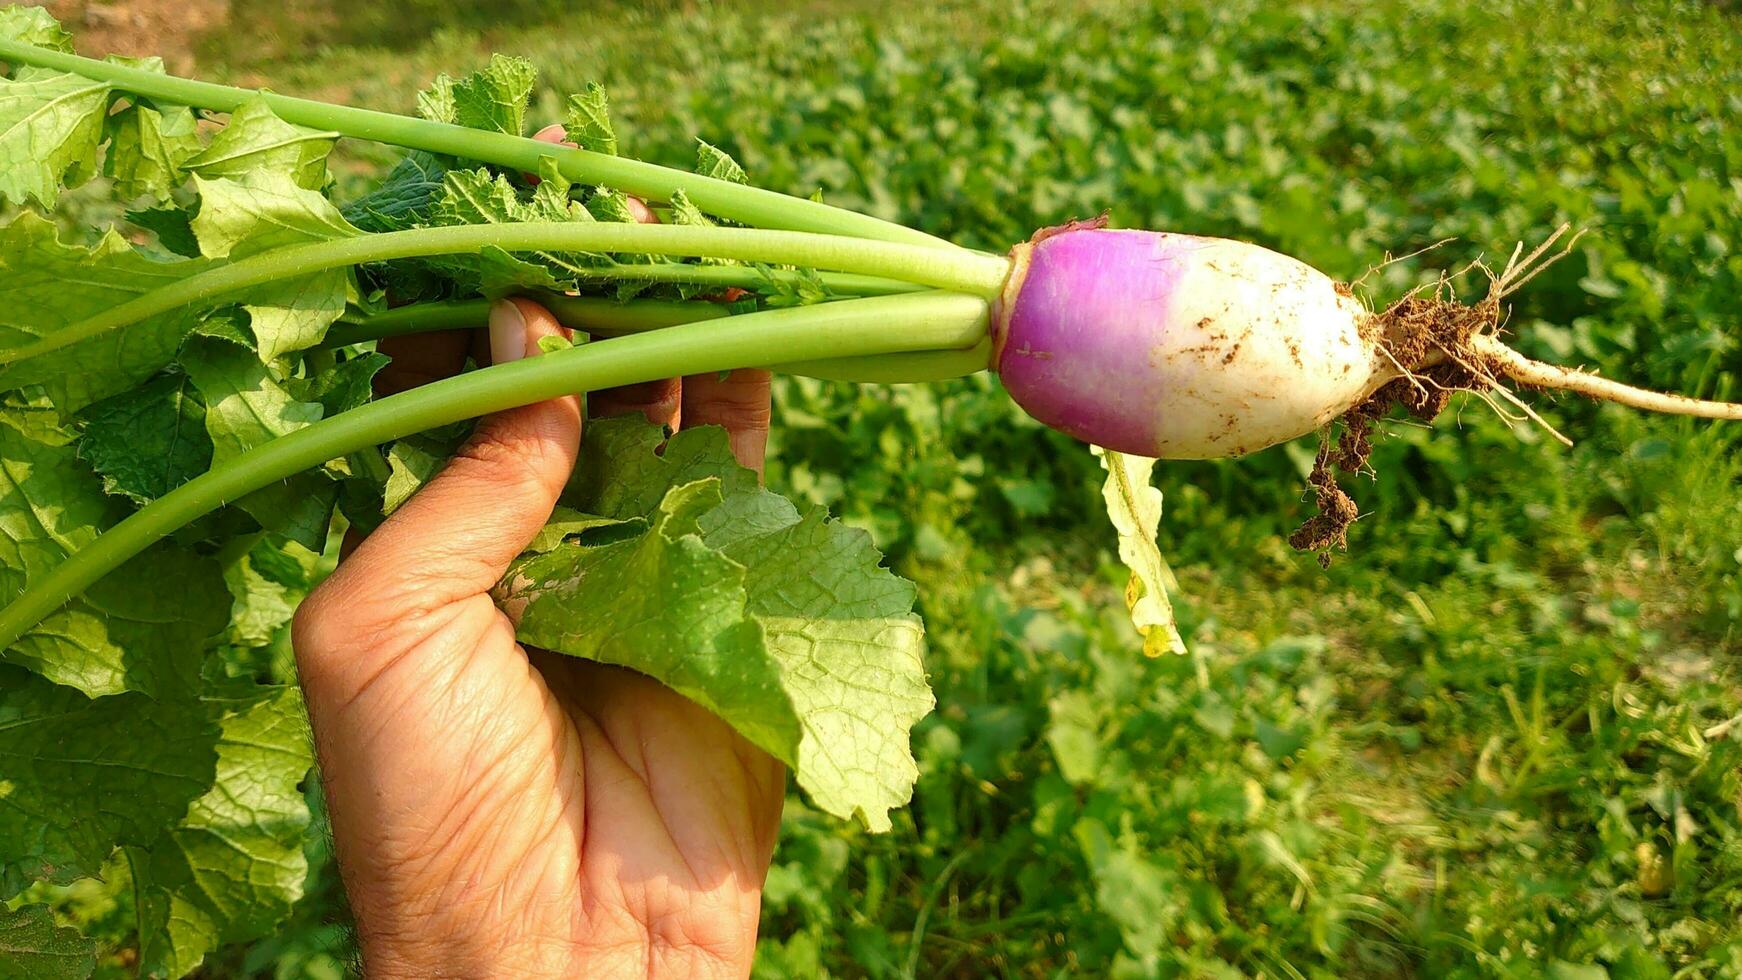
(33, 415)
(126, 633)
(32, 947)
(588, 121)
(173, 227)
(711, 161)
(1558, 969)
(609, 204)
(262, 606)
(1140, 895)
(266, 211)
(150, 143)
(147, 441)
(36, 300)
(1134, 507)
(411, 466)
(34, 25)
(346, 385)
(232, 869)
(261, 212)
(414, 460)
(684, 211)
(148, 147)
(50, 125)
(256, 140)
(493, 98)
(247, 406)
(803, 289)
(342, 387)
(477, 197)
(267, 582)
(565, 523)
(436, 103)
(1073, 734)
(83, 775)
(551, 343)
(624, 470)
(852, 659)
(664, 604)
(782, 624)
(404, 197)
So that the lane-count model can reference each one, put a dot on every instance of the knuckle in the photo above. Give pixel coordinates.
(500, 460)
(311, 626)
(658, 400)
(735, 413)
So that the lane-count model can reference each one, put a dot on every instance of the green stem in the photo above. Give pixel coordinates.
(737, 202)
(591, 314)
(609, 318)
(928, 321)
(968, 272)
(908, 367)
(744, 277)
(586, 310)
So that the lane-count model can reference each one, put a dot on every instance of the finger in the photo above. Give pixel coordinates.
(413, 361)
(554, 133)
(420, 359)
(456, 536)
(657, 400)
(739, 402)
(639, 210)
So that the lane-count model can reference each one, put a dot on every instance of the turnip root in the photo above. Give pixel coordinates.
(1182, 347)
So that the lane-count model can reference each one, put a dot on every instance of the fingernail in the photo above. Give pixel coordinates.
(554, 133)
(507, 332)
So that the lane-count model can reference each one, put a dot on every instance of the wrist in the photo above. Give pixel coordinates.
(718, 944)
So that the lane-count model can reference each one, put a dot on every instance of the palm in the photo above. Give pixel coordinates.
(609, 813)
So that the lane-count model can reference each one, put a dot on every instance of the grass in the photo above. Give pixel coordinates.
(1499, 738)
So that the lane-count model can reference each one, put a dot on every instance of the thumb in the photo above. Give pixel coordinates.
(457, 535)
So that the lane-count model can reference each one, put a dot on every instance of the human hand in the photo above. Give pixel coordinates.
(499, 811)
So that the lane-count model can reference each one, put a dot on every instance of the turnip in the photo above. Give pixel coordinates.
(1179, 347)
(1150, 344)
(1183, 347)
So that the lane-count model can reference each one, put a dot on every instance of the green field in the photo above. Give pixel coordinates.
(1500, 737)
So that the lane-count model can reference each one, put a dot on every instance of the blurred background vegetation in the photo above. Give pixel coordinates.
(1499, 738)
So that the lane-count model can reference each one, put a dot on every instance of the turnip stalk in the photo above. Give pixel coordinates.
(954, 270)
(745, 277)
(590, 314)
(609, 318)
(737, 202)
(933, 321)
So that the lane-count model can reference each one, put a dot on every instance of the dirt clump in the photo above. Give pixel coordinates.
(1429, 339)
(1426, 336)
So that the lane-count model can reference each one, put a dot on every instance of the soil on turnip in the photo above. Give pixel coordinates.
(1428, 337)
